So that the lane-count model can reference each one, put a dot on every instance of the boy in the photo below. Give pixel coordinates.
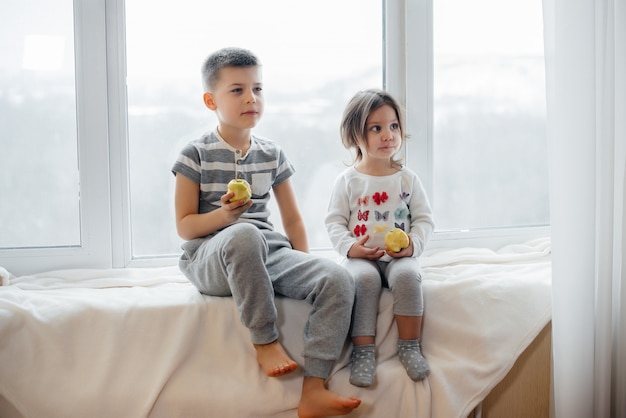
(231, 248)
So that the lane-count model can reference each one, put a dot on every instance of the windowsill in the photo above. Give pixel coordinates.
(492, 239)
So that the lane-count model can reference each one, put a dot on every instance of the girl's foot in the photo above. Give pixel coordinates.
(363, 365)
(412, 359)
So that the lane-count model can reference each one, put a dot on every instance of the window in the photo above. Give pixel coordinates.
(98, 99)
(313, 61)
(39, 167)
(55, 210)
(489, 131)
(475, 95)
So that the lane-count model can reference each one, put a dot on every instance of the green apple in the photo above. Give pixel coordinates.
(396, 240)
(241, 188)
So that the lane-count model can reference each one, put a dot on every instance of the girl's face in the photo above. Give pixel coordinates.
(384, 137)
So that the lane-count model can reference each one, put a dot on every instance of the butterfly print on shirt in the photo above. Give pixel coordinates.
(381, 216)
(380, 197)
(360, 230)
(401, 213)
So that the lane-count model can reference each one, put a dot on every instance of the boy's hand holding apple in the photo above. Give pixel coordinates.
(241, 189)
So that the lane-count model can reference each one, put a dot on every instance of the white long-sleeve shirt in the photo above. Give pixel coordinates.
(361, 204)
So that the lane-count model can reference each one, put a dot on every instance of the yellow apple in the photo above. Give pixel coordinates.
(396, 240)
(241, 188)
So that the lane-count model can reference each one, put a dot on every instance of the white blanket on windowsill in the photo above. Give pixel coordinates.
(144, 342)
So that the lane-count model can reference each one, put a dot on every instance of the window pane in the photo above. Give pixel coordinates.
(39, 168)
(313, 62)
(489, 115)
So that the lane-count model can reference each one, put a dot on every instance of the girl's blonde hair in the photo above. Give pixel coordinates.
(353, 128)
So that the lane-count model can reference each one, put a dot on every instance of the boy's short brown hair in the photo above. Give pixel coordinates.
(225, 57)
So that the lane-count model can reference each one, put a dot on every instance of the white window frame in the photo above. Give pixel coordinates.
(409, 55)
(121, 231)
(99, 27)
(95, 246)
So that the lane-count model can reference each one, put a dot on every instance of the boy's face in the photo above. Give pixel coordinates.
(237, 97)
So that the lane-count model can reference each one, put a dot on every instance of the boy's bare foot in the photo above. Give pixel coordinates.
(318, 402)
(273, 359)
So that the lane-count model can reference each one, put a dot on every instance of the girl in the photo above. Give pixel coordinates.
(370, 198)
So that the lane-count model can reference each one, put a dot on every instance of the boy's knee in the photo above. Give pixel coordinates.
(339, 278)
(244, 237)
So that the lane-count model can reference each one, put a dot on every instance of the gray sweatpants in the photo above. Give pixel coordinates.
(402, 276)
(250, 264)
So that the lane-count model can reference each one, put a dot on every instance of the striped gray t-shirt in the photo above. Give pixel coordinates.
(212, 163)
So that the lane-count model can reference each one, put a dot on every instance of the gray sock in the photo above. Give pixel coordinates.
(412, 359)
(363, 365)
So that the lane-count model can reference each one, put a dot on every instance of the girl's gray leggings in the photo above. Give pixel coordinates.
(402, 275)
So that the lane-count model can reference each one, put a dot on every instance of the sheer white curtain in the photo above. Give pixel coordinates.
(586, 82)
